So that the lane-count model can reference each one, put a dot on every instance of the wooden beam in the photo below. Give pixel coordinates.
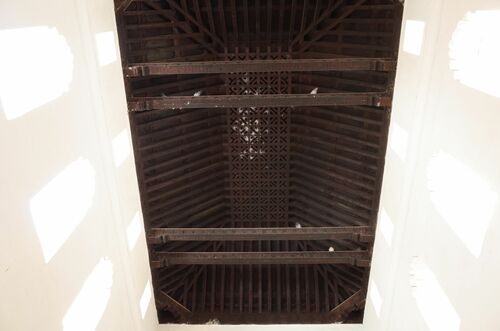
(280, 65)
(164, 301)
(374, 99)
(357, 258)
(164, 235)
(354, 302)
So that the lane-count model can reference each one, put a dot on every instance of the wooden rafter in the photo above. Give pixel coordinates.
(354, 302)
(331, 25)
(164, 301)
(171, 17)
(193, 20)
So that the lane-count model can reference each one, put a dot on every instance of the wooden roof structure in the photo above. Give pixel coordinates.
(259, 130)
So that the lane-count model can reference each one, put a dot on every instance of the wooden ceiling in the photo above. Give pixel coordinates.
(260, 130)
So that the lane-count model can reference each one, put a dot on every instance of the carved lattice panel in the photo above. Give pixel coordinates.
(258, 149)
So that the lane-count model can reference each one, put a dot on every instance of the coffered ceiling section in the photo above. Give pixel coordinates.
(260, 130)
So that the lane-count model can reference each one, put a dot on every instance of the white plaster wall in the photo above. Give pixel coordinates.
(62, 138)
(439, 269)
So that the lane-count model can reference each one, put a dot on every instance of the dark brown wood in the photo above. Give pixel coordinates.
(358, 258)
(354, 302)
(272, 100)
(164, 235)
(332, 6)
(338, 20)
(191, 19)
(295, 65)
(164, 301)
(170, 16)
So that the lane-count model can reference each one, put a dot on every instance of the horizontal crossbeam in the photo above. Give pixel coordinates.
(243, 66)
(164, 235)
(357, 258)
(374, 99)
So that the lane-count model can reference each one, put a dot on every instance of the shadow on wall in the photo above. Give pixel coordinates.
(462, 198)
(61, 205)
(467, 204)
(37, 67)
(59, 248)
(433, 304)
(475, 51)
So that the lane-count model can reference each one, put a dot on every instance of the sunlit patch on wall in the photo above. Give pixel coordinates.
(36, 67)
(399, 140)
(475, 51)
(134, 230)
(121, 147)
(413, 37)
(375, 297)
(386, 226)
(62, 204)
(89, 305)
(145, 299)
(106, 49)
(462, 198)
(433, 303)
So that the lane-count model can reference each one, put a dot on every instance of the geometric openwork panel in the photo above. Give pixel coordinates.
(258, 142)
(259, 146)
